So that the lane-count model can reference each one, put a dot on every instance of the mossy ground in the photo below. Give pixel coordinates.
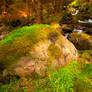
(75, 76)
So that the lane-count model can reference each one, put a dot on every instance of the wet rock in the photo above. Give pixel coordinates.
(67, 28)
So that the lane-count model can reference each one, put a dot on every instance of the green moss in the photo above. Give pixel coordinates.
(76, 3)
(54, 51)
(27, 31)
(49, 61)
(21, 42)
(53, 36)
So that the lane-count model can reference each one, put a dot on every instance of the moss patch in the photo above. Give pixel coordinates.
(54, 51)
(24, 31)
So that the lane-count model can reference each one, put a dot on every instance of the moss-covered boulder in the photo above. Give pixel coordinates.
(81, 41)
(33, 49)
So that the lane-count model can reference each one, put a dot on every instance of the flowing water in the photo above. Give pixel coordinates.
(81, 21)
(79, 29)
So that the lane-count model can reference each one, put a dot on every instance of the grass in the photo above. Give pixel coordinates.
(75, 76)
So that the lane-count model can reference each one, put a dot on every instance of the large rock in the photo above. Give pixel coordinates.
(36, 49)
(81, 41)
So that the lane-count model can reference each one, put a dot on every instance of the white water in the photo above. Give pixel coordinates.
(85, 21)
(67, 34)
(90, 20)
(76, 12)
(79, 29)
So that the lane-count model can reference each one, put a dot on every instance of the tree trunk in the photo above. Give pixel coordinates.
(57, 4)
(5, 6)
(40, 12)
(28, 3)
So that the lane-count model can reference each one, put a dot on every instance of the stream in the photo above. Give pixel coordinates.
(79, 29)
(81, 21)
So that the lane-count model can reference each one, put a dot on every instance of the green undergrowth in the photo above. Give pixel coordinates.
(76, 3)
(86, 55)
(74, 77)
